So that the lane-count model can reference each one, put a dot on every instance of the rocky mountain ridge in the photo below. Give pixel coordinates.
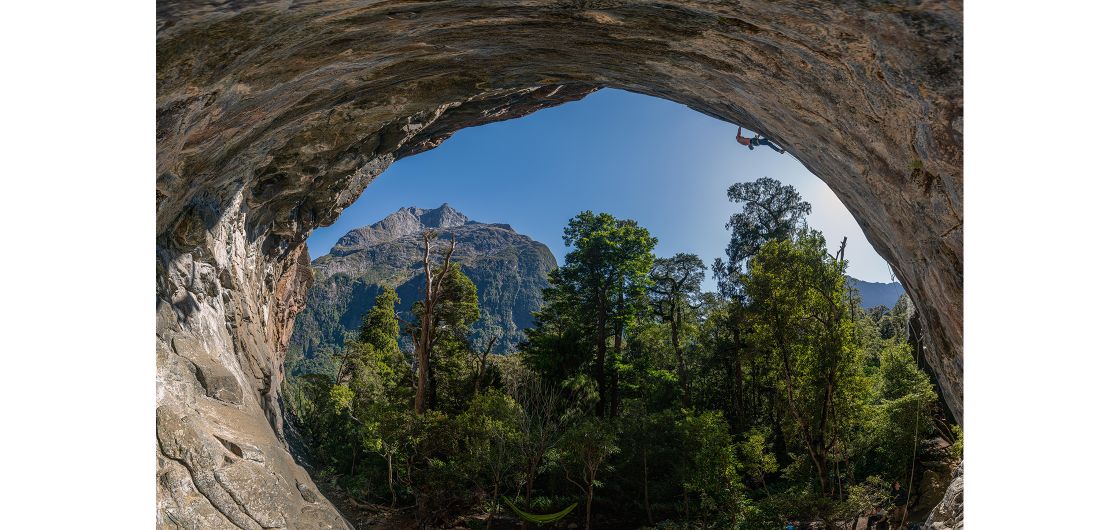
(876, 293)
(509, 269)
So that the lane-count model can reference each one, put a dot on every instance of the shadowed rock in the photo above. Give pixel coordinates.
(216, 381)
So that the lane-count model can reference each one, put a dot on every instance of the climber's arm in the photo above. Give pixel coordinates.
(742, 139)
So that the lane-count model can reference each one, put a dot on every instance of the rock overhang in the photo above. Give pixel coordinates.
(273, 117)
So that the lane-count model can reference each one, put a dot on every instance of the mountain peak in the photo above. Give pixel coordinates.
(407, 220)
(443, 217)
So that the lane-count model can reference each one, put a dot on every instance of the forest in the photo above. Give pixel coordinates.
(638, 399)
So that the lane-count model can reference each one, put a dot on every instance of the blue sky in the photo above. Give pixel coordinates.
(639, 157)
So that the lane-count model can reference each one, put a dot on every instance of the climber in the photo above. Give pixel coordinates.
(876, 517)
(757, 140)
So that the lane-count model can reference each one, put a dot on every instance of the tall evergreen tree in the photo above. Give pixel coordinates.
(771, 211)
(676, 286)
(602, 280)
(448, 319)
(802, 324)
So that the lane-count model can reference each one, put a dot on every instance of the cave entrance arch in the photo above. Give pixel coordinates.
(272, 117)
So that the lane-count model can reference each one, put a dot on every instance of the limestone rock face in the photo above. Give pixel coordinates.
(949, 513)
(273, 116)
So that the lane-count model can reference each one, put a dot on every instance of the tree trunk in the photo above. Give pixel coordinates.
(426, 340)
(682, 368)
(422, 351)
(494, 508)
(601, 355)
(822, 471)
(433, 401)
(740, 409)
(353, 455)
(421, 381)
(617, 358)
(687, 515)
(737, 381)
(529, 482)
(781, 447)
(392, 490)
(587, 512)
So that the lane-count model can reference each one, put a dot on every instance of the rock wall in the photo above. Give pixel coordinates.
(274, 116)
(949, 513)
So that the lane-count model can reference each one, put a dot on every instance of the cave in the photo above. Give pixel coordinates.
(273, 117)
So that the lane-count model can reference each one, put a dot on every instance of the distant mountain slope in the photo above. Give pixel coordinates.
(874, 293)
(509, 269)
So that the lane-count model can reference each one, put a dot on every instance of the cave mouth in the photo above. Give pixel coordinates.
(397, 182)
(272, 118)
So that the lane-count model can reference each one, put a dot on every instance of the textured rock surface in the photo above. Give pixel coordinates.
(272, 117)
(509, 269)
(949, 513)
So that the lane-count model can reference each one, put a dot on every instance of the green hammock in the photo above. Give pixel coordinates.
(539, 519)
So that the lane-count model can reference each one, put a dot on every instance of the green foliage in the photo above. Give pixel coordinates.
(758, 460)
(599, 290)
(342, 398)
(771, 211)
(902, 414)
(957, 449)
(380, 328)
(585, 449)
(489, 440)
(803, 328)
(777, 398)
(708, 464)
(862, 497)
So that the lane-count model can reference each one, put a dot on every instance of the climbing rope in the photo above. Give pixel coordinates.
(913, 464)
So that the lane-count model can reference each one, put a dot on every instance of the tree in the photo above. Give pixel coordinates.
(676, 284)
(425, 440)
(757, 459)
(451, 374)
(709, 466)
(559, 345)
(379, 399)
(771, 211)
(423, 332)
(796, 291)
(585, 449)
(902, 412)
(370, 375)
(490, 439)
(602, 280)
(441, 318)
(486, 373)
(539, 425)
